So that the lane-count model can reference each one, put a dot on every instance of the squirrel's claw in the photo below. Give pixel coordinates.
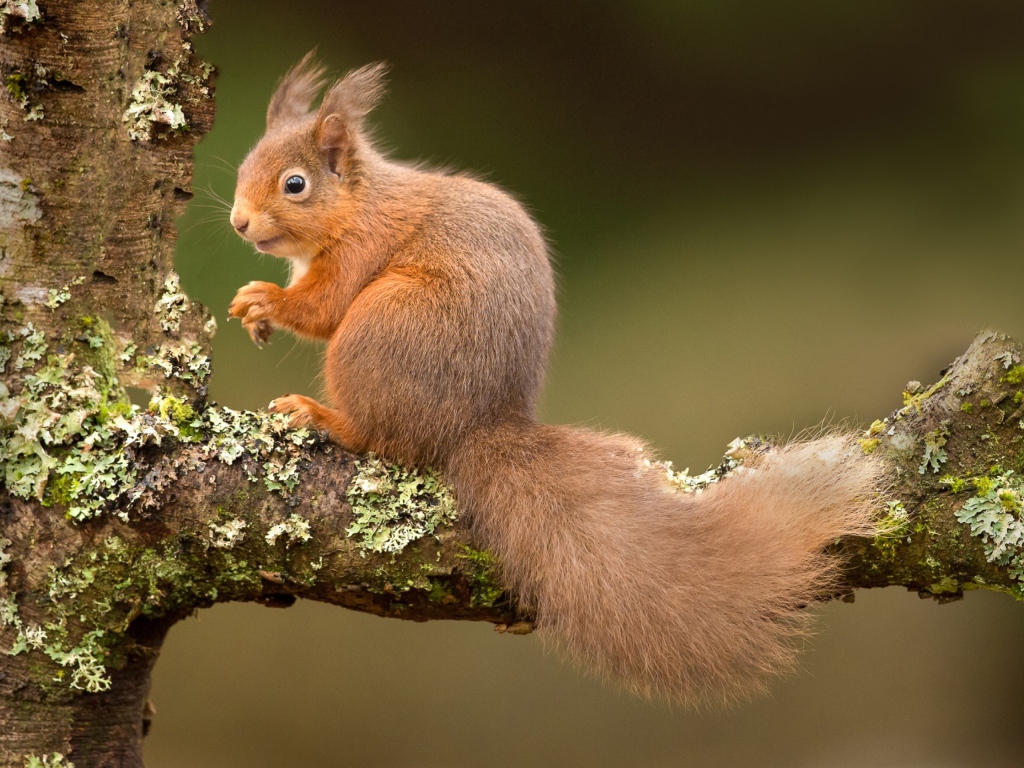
(259, 330)
(301, 410)
(254, 304)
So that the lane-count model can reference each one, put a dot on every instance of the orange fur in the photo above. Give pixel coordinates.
(435, 295)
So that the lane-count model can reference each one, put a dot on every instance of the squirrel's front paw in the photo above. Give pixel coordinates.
(254, 304)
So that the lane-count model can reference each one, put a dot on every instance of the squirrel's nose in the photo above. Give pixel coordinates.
(239, 217)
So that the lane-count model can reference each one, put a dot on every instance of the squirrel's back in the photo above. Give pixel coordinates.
(458, 332)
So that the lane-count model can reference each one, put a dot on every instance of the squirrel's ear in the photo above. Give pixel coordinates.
(335, 141)
(342, 111)
(355, 94)
(295, 92)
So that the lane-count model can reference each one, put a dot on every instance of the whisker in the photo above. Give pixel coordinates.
(225, 165)
(213, 195)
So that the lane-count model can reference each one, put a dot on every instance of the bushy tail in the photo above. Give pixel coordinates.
(696, 598)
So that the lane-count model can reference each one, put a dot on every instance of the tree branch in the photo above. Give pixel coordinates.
(116, 520)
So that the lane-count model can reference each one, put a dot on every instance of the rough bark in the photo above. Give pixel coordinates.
(116, 520)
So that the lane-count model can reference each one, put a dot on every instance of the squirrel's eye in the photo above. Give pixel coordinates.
(294, 184)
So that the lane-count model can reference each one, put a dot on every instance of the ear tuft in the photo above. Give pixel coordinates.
(295, 92)
(356, 93)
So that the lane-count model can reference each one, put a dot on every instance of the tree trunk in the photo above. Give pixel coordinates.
(115, 520)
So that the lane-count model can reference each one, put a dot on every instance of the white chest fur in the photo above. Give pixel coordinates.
(300, 266)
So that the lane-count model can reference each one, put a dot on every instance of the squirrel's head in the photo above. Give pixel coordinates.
(303, 177)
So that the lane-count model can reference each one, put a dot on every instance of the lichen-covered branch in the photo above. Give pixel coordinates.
(955, 516)
(117, 518)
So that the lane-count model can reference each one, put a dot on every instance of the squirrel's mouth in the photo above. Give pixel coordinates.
(264, 246)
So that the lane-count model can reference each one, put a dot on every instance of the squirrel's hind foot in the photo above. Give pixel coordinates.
(304, 411)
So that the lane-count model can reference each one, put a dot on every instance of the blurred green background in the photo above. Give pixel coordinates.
(765, 215)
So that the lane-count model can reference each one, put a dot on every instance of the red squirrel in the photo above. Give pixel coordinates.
(435, 295)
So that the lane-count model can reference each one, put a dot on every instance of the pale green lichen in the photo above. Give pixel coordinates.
(93, 597)
(227, 534)
(934, 450)
(294, 529)
(151, 105)
(26, 10)
(1008, 359)
(33, 345)
(84, 659)
(70, 436)
(57, 406)
(178, 71)
(266, 442)
(736, 453)
(128, 352)
(57, 296)
(393, 506)
(191, 17)
(994, 516)
(281, 477)
(172, 304)
(184, 361)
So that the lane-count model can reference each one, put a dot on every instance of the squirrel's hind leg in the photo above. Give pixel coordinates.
(306, 412)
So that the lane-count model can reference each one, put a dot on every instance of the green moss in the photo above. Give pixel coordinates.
(486, 587)
(946, 585)
(869, 444)
(54, 760)
(15, 85)
(59, 490)
(983, 485)
(967, 407)
(439, 592)
(912, 400)
(108, 411)
(1015, 375)
(955, 484)
(181, 414)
